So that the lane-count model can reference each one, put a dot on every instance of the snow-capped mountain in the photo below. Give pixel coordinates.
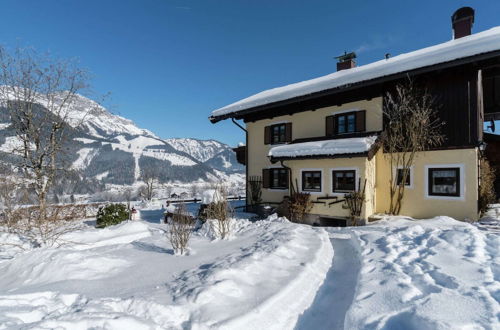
(98, 121)
(111, 149)
(202, 150)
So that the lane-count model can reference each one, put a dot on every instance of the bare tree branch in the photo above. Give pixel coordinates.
(412, 125)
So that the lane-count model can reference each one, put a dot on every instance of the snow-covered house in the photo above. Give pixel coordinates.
(322, 133)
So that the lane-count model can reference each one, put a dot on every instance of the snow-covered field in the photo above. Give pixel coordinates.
(127, 277)
(428, 274)
(394, 274)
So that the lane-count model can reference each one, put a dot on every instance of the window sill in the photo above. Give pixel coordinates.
(277, 189)
(341, 193)
(450, 198)
(312, 192)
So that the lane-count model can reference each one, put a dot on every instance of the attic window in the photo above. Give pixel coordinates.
(278, 133)
(346, 123)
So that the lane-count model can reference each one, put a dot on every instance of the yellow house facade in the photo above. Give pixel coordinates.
(375, 169)
(324, 136)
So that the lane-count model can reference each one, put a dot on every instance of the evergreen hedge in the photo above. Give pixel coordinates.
(111, 214)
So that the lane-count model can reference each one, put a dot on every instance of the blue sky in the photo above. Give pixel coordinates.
(169, 63)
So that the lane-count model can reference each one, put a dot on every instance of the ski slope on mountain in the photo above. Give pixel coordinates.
(202, 150)
(113, 150)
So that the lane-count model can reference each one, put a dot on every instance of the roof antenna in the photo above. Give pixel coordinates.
(387, 55)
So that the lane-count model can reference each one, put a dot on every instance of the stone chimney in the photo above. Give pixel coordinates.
(462, 21)
(346, 61)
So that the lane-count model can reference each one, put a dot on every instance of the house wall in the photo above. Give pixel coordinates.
(415, 202)
(376, 171)
(364, 170)
(304, 125)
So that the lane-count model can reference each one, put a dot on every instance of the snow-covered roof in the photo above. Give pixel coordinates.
(474, 44)
(324, 147)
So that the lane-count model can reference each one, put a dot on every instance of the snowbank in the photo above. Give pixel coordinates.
(211, 196)
(325, 147)
(123, 233)
(127, 277)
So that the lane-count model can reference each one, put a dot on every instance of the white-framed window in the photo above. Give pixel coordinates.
(398, 176)
(445, 181)
(311, 180)
(344, 180)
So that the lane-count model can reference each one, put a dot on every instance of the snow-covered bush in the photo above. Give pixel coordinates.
(220, 211)
(180, 229)
(111, 214)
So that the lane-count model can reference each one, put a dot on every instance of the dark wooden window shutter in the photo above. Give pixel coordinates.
(288, 173)
(330, 125)
(288, 132)
(266, 177)
(361, 121)
(267, 135)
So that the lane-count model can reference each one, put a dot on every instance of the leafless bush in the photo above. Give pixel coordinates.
(220, 210)
(255, 190)
(17, 217)
(354, 203)
(57, 221)
(486, 188)
(180, 229)
(299, 205)
(412, 126)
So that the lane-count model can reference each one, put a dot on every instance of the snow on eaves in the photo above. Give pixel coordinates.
(324, 147)
(475, 44)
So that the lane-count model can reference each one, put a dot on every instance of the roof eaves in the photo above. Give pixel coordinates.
(444, 65)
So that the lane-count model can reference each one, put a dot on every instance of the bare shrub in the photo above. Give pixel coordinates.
(299, 205)
(220, 210)
(255, 190)
(180, 229)
(486, 188)
(59, 220)
(354, 203)
(412, 126)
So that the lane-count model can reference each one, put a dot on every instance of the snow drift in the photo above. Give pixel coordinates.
(126, 277)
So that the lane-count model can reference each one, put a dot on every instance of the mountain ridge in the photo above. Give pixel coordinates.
(111, 149)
